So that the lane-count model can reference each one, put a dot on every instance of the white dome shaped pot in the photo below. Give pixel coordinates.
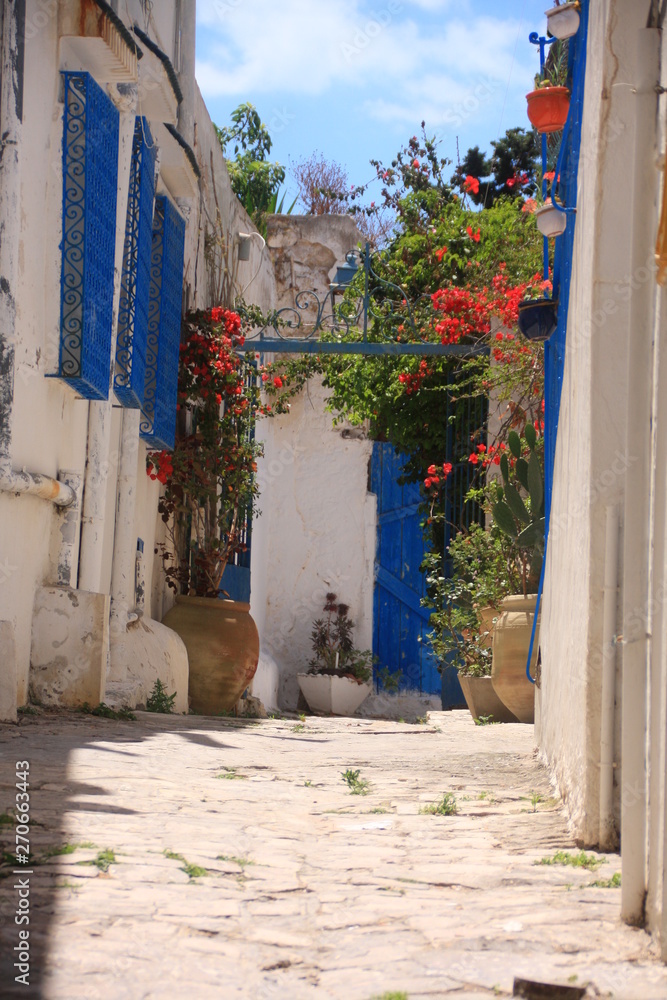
(563, 21)
(550, 221)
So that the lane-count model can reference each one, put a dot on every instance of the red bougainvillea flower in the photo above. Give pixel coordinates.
(481, 447)
(473, 236)
(471, 185)
(265, 378)
(432, 470)
(447, 468)
(278, 382)
(473, 458)
(529, 205)
(511, 181)
(441, 252)
(549, 176)
(217, 314)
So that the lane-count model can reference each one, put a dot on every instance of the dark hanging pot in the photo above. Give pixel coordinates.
(538, 318)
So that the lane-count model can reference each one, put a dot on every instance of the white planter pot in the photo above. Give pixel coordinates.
(563, 21)
(550, 221)
(332, 695)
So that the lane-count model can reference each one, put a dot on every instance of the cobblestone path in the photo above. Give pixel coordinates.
(211, 858)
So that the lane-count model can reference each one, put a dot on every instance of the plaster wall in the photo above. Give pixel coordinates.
(591, 459)
(49, 424)
(318, 526)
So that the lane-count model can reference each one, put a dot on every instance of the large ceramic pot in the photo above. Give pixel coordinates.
(331, 694)
(482, 700)
(223, 650)
(487, 617)
(511, 641)
(548, 108)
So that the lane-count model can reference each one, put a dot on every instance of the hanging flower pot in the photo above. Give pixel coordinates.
(550, 221)
(538, 318)
(563, 20)
(548, 108)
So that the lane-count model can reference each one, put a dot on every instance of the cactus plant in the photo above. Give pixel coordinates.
(519, 507)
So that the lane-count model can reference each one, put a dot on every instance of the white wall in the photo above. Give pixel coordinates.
(317, 529)
(50, 424)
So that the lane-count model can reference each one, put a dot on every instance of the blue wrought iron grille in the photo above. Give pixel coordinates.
(130, 374)
(567, 169)
(90, 179)
(158, 423)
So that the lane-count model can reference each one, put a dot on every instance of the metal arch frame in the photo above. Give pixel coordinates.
(342, 320)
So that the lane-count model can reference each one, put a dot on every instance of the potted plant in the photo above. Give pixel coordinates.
(338, 678)
(209, 494)
(464, 607)
(519, 513)
(537, 313)
(549, 102)
(563, 19)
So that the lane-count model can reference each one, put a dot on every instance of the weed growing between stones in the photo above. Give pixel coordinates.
(192, 871)
(159, 700)
(103, 860)
(580, 860)
(231, 774)
(357, 785)
(608, 883)
(103, 711)
(446, 807)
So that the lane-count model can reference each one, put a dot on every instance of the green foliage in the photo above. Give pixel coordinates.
(515, 159)
(446, 807)
(255, 180)
(580, 860)
(389, 680)
(103, 860)
(482, 573)
(333, 646)
(608, 883)
(357, 785)
(519, 507)
(159, 700)
(192, 871)
(103, 711)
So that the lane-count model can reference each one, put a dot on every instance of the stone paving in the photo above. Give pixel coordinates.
(244, 867)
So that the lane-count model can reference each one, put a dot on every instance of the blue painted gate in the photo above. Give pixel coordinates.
(400, 624)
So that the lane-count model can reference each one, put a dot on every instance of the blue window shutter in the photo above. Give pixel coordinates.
(130, 371)
(158, 423)
(90, 179)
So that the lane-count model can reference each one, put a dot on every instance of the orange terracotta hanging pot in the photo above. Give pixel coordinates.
(548, 108)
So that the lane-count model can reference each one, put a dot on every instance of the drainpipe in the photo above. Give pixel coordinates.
(123, 572)
(607, 835)
(637, 503)
(186, 74)
(11, 116)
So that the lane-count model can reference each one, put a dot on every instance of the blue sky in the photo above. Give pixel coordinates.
(353, 79)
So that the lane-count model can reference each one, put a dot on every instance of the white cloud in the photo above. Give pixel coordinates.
(399, 65)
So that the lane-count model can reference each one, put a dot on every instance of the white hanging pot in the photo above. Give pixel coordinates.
(563, 21)
(550, 221)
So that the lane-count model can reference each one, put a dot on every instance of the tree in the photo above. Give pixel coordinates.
(321, 184)
(511, 170)
(255, 180)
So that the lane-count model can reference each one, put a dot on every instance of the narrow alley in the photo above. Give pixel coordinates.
(295, 858)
